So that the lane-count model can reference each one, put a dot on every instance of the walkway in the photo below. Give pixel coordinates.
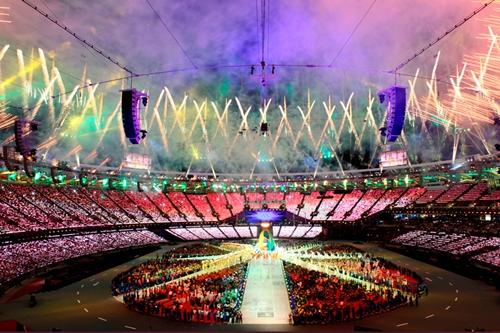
(266, 299)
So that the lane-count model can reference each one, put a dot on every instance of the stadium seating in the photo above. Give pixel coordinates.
(21, 258)
(389, 197)
(218, 202)
(254, 198)
(293, 200)
(474, 193)
(100, 198)
(274, 196)
(493, 196)
(202, 206)
(491, 258)
(369, 198)
(429, 196)
(126, 204)
(236, 200)
(311, 201)
(453, 244)
(32, 208)
(166, 207)
(147, 206)
(86, 205)
(184, 206)
(327, 205)
(454, 192)
(409, 197)
(346, 204)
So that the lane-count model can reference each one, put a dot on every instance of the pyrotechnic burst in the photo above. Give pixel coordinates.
(305, 130)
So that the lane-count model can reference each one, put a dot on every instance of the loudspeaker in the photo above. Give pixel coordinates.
(396, 98)
(131, 99)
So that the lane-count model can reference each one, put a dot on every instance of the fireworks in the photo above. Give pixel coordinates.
(194, 133)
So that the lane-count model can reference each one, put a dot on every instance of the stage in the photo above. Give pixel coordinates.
(266, 299)
(454, 303)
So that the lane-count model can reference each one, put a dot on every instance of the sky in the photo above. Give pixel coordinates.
(352, 46)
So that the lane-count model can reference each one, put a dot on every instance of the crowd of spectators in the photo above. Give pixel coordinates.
(484, 248)
(490, 257)
(21, 258)
(208, 298)
(369, 199)
(347, 203)
(317, 298)
(37, 207)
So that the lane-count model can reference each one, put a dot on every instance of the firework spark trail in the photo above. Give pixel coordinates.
(220, 119)
(8, 140)
(106, 160)
(470, 102)
(45, 145)
(329, 109)
(50, 87)
(306, 118)
(284, 127)
(91, 156)
(158, 120)
(6, 119)
(73, 151)
(22, 75)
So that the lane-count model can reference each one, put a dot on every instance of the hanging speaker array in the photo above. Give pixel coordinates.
(131, 108)
(395, 98)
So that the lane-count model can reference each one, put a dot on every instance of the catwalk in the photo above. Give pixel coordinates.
(266, 299)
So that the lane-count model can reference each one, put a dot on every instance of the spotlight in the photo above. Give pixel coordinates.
(381, 97)
(264, 128)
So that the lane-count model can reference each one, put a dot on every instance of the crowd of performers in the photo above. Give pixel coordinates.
(333, 283)
(320, 298)
(170, 266)
(208, 298)
(361, 265)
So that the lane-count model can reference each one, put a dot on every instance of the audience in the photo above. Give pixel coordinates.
(38, 207)
(21, 258)
(459, 244)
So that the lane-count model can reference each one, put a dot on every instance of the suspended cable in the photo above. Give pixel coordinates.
(54, 14)
(263, 28)
(69, 31)
(352, 33)
(268, 23)
(171, 34)
(446, 33)
(257, 28)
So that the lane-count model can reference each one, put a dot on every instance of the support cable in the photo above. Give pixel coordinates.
(442, 36)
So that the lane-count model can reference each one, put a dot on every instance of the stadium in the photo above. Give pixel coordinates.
(249, 165)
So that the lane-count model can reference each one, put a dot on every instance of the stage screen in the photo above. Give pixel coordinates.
(393, 158)
(258, 216)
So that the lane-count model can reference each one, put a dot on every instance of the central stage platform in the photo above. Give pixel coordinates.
(266, 299)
